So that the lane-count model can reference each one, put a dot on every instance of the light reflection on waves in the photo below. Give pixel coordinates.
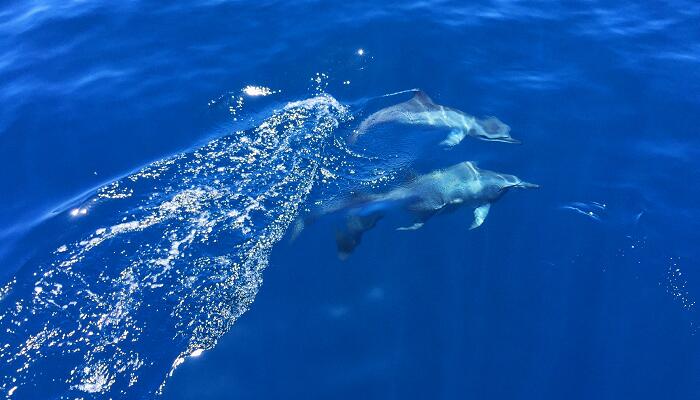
(174, 258)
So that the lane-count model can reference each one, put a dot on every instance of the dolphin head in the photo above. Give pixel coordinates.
(512, 181)
(526, 185)
(493, 129)
(498, 184)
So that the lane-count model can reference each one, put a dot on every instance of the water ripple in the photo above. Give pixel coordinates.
(179, 262)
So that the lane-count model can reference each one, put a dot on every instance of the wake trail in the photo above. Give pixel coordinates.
(164, 261)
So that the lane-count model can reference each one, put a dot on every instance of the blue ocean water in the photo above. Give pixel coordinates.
(155, 157)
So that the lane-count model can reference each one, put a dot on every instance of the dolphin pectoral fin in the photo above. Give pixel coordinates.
(455, 136)
(421, 216)
(413, 227)
(480, 214)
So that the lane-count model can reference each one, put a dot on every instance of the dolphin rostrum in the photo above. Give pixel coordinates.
(461, 185)
(421, 110)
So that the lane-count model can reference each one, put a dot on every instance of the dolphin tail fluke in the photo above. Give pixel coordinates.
(349, 237)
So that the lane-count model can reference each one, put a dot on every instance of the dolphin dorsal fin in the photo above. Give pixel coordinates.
(423, 99)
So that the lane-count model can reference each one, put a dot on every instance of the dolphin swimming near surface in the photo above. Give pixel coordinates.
(421, 110)
(461, 185)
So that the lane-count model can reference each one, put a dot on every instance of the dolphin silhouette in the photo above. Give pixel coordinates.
(421, 110)
(461, 185)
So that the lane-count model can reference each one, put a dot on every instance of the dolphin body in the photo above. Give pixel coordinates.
(421, 110)
(439, 191)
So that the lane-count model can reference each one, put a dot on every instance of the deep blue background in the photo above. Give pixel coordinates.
(540, 302)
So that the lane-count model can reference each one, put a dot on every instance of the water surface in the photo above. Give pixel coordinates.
(153, 158)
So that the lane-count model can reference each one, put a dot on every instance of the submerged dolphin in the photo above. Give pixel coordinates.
(439, 191)
(421, 110)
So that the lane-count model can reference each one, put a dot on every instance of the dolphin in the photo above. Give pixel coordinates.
(421, 110)
(461, 185)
